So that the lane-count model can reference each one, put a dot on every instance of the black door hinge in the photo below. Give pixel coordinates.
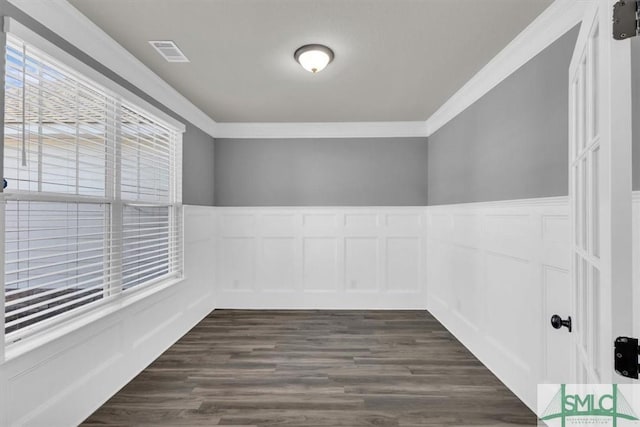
(625, 19)
(626, 357)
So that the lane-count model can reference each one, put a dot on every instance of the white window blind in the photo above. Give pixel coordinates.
(151, 180)
(93, 202)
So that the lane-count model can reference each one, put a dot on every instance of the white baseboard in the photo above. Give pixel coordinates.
(322, 301)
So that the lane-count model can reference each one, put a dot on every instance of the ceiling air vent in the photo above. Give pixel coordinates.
(169, 50)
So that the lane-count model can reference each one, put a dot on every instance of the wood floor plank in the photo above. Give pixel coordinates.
(315, 369)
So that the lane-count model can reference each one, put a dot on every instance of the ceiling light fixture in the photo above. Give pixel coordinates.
(313, 57)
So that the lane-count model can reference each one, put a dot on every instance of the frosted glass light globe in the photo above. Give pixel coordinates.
(314, 57)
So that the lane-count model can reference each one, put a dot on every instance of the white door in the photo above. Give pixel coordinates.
(600, 194)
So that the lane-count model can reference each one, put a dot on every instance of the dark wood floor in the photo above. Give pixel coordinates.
(315, 368)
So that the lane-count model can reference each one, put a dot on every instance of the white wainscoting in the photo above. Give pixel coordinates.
(63, 381)
(492, 273)
(496, 273)
(324, 258)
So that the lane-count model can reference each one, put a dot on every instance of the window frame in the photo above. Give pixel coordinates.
(28, 337)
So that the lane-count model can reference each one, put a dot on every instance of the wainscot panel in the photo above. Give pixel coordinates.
(321, 257)
(496, 273)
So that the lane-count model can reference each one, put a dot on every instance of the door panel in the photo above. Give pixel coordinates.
(600, 192)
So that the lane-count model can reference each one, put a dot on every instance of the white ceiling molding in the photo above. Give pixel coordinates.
(556, 20)
(322, 130)
(70, 24)
(34, 39)
(67, 22)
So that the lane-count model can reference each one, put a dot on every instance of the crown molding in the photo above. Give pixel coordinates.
(69, 23)
(27, 35)
(322, 130)
(551, 24)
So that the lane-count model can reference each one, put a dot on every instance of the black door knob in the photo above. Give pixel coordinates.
(557, 322)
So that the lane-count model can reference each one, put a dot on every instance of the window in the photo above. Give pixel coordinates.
(93, 198)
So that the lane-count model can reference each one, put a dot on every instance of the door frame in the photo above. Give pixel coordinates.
(606, 211)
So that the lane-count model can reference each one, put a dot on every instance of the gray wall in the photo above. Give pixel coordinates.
(198, 157)
(317, 172)
(511, 143)
(198, 149)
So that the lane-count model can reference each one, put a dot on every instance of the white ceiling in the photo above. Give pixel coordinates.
(396, 60)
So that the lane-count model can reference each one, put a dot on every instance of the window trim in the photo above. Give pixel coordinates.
(33, 336)
(82, 317)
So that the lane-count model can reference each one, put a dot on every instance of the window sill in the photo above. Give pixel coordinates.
(92, 314)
